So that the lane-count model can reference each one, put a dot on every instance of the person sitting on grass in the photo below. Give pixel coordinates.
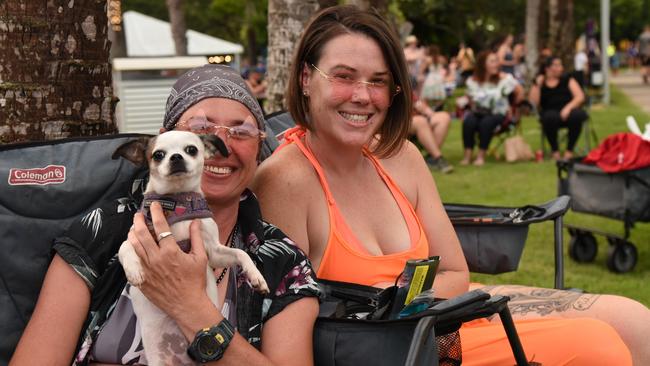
(431, 128)
(558, 97)
(489, 92)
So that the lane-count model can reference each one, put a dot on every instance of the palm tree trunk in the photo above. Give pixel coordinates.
(177, 23)
(251, 36)
(561, 30)
(532, 39)
(55, 78)
(287, 19)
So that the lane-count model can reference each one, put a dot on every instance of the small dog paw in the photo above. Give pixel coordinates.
(135, 278)
(255, 278)
(259, 284)
(133, 271)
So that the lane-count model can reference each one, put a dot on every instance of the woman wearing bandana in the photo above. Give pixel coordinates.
(84, 313)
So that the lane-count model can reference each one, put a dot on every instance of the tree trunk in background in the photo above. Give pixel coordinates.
(287, 19)
(55, 78)
(251, 37)
(561, 38)
(177, 23)
(115, 29)
(532, 41)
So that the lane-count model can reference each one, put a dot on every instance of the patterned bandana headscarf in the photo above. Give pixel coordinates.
(209, 81)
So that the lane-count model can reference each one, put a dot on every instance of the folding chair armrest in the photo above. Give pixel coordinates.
(424, 336)
(458, 302)
(468, 306)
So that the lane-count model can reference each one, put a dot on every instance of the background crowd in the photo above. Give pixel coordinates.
(489, 89)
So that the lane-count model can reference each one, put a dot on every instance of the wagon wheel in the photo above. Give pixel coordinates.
(622, 257)
(583, 247)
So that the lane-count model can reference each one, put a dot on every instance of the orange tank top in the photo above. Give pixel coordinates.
(344, 252)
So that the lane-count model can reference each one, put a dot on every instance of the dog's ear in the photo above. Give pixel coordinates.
(214, 143)
(134, 151)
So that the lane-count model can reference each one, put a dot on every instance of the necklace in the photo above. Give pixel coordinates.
(229, 243)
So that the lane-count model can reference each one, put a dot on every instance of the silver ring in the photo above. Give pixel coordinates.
(163, 235)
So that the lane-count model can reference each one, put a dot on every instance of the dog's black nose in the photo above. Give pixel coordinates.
(176, 157)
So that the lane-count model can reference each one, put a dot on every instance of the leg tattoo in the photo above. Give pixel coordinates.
(542, 301)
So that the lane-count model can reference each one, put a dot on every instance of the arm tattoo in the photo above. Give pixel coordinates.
(524, 300)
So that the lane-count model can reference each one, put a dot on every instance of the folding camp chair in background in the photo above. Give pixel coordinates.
(493, 237)
(509, 127)
(588, 136)
(44, 187)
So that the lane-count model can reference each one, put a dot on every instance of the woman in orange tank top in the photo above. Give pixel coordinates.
(359, 200)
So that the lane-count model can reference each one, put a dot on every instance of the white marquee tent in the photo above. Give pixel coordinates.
(143, 79)
(151, 37)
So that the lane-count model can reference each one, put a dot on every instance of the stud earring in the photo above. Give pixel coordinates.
(304, 92)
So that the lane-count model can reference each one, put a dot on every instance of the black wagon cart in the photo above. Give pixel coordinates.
(621, 196)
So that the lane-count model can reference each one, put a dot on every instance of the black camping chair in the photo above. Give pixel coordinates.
(493, 237)
(343, 340)
(45, 186)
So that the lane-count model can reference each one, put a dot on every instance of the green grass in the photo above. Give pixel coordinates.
(504, 184)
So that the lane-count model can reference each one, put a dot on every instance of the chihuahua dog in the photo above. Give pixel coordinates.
(175, 160)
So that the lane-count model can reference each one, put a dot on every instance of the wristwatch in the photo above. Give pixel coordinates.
(209, 344)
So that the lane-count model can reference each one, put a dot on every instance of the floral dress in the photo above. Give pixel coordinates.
(90, 246)
(491, 97)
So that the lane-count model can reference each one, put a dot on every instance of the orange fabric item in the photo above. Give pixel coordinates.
(344, 250)
(549, 341)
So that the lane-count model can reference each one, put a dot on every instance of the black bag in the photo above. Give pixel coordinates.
(342, 338)
(44, 187)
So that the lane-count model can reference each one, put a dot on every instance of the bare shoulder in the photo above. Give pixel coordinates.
(408, 169)
(406, 158)
(288, 189)
(284, 177)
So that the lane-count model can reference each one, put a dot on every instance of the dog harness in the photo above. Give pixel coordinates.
(177, 207)
(344, 251)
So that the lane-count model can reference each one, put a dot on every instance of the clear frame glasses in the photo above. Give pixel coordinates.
(201, 126)
(380, 89)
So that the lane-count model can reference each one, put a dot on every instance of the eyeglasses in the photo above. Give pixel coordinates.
(380, 90)
(202, 126)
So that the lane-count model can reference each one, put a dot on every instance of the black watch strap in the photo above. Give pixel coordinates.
(209, 344)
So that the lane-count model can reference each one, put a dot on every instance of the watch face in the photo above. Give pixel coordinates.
(208, 346)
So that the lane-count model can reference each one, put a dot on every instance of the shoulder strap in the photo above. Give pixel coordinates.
(295, 135)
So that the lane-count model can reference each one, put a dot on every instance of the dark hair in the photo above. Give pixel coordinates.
(348, 19)
(546, 63)
(480, 70)
(434, 53)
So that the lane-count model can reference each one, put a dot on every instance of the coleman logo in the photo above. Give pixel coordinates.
(51, 174)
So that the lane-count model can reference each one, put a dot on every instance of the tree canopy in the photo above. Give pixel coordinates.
(446, 23)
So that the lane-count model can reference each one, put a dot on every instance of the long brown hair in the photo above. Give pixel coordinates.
(480, 71)
(345, 19)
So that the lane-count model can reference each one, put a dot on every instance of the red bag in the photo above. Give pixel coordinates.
(620, 152)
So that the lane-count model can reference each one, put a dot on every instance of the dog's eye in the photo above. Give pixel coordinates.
(191, 150)
(158, 155)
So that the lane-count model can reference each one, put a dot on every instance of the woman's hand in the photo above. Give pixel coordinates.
(564, 113)
(173, 280)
